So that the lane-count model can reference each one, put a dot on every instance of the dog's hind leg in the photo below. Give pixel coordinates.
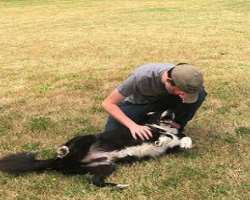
(100, 173)
(77, 148)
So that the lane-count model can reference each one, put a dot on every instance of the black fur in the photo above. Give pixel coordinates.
(73, 156)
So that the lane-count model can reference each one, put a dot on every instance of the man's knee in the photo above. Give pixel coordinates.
(112, 124)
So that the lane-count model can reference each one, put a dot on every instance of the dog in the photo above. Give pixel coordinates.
(98, 154)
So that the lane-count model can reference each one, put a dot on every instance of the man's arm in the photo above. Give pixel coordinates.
(110, 104)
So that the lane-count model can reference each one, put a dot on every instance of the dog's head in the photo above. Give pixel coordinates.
(166, 116)
(162, 120)
(163, 117)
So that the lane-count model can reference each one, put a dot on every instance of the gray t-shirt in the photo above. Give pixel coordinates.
(144, 85)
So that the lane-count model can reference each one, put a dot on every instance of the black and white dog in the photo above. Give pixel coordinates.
(98, 154)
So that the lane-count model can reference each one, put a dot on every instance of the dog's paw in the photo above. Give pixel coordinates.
(62, 151)
(122, 186)
(163, 141)
(186, 143)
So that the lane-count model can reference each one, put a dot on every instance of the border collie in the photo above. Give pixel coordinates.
(97, 154)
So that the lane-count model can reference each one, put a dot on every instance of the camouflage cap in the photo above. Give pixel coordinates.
(189, 79)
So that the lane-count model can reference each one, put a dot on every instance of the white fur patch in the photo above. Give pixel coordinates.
(62, 151)
(164, 114)
(150, 149)
(150, 113)
(186, 143)
(122, 186)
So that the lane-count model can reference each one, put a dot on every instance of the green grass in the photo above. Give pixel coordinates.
(39, 123)
(60, 59)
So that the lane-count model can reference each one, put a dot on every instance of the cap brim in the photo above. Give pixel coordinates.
(191, 98)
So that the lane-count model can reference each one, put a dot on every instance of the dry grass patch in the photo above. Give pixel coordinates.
(59, 59)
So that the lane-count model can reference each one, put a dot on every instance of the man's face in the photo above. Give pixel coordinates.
(174, 90)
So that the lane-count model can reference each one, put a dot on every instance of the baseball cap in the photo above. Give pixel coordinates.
(189, 79)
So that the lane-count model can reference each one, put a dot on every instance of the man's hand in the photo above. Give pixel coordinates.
(142, 132)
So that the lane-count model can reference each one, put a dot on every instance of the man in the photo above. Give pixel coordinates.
(155, 87)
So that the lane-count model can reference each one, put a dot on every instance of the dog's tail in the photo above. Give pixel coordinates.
(68, 158)
(25, 162)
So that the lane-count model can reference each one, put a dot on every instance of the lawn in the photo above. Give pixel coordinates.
(59, 59)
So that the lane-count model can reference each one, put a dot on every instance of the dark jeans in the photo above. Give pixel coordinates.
(137, 112)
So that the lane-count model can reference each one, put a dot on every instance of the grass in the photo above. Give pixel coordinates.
(60, 59)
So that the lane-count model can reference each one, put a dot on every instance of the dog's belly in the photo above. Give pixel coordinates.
(154, 149)
(101, 157)
(98, 157)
